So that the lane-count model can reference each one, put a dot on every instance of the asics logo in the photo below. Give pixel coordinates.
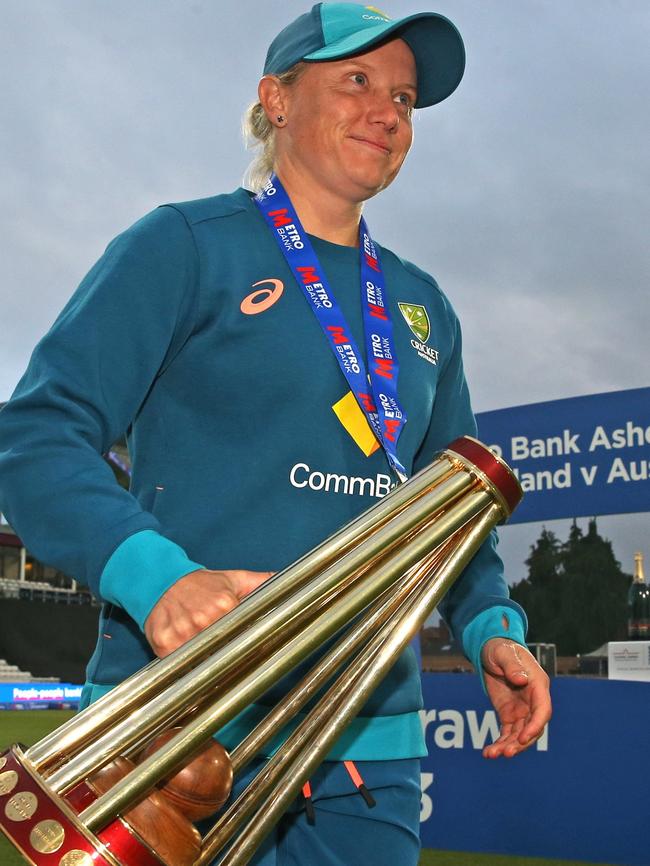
(264, 298)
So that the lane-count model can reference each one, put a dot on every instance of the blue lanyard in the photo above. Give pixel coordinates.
(375, 393)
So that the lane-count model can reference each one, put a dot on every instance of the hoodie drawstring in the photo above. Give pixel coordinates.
(355, 775)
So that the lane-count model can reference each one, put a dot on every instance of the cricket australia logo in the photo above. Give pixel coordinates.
(417, 319)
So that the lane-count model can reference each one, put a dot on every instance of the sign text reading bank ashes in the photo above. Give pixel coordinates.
(580, 457)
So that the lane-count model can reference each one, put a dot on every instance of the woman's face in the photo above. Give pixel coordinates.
(349, 124)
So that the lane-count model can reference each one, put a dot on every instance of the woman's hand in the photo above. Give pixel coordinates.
(519, 691)
(194, 602)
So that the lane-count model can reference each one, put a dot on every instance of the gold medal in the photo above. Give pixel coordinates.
(8, 782)
(76, 858)
(47, 837)
(21, 806)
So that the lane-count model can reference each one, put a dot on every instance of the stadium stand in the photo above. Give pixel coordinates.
(38, 590)
(47, 625)
(12, 674)
(51, 637)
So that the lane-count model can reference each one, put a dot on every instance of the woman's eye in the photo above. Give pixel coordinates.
(359, 78)
(405, 100)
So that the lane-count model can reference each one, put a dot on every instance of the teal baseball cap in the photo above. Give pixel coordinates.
(331, 31)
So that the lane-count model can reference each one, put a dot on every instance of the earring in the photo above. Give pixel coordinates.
(280, 119)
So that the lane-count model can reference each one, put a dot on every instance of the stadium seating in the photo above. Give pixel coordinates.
(38, 590)
(12, 674)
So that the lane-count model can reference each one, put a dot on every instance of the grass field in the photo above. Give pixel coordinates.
(28, 727)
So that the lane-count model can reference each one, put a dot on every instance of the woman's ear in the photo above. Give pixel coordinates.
(272, 98)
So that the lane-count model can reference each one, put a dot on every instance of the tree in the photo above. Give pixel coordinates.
(575, 593)
(539, 593)
(544, 560)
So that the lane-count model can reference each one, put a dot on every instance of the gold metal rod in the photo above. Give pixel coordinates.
(255, 658)
(278, 715)
(192, 687)
(357, 635)
(133, 787)
(318, 733)
(386, 612)
(158, 674)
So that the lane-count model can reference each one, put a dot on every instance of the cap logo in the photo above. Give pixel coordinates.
(378, 12)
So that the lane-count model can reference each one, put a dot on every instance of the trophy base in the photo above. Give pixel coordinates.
(46, 830)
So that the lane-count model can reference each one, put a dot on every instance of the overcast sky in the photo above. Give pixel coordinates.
(526, 194)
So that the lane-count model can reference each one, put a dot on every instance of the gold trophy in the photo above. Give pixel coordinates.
(121, 783)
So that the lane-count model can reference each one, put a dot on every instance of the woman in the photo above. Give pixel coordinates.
(258, 426)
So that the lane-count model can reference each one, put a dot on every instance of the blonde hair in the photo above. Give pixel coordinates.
(259, 133)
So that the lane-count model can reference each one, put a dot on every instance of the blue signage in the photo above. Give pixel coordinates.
(38, 695)
(578, 794)
(579, 457)
(581, 793)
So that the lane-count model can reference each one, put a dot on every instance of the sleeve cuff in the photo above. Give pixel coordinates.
(489, 624)
(140, 570)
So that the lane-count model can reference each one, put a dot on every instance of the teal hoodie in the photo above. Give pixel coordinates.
(233, 417)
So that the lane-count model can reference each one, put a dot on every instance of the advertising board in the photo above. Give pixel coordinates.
(578, 457)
